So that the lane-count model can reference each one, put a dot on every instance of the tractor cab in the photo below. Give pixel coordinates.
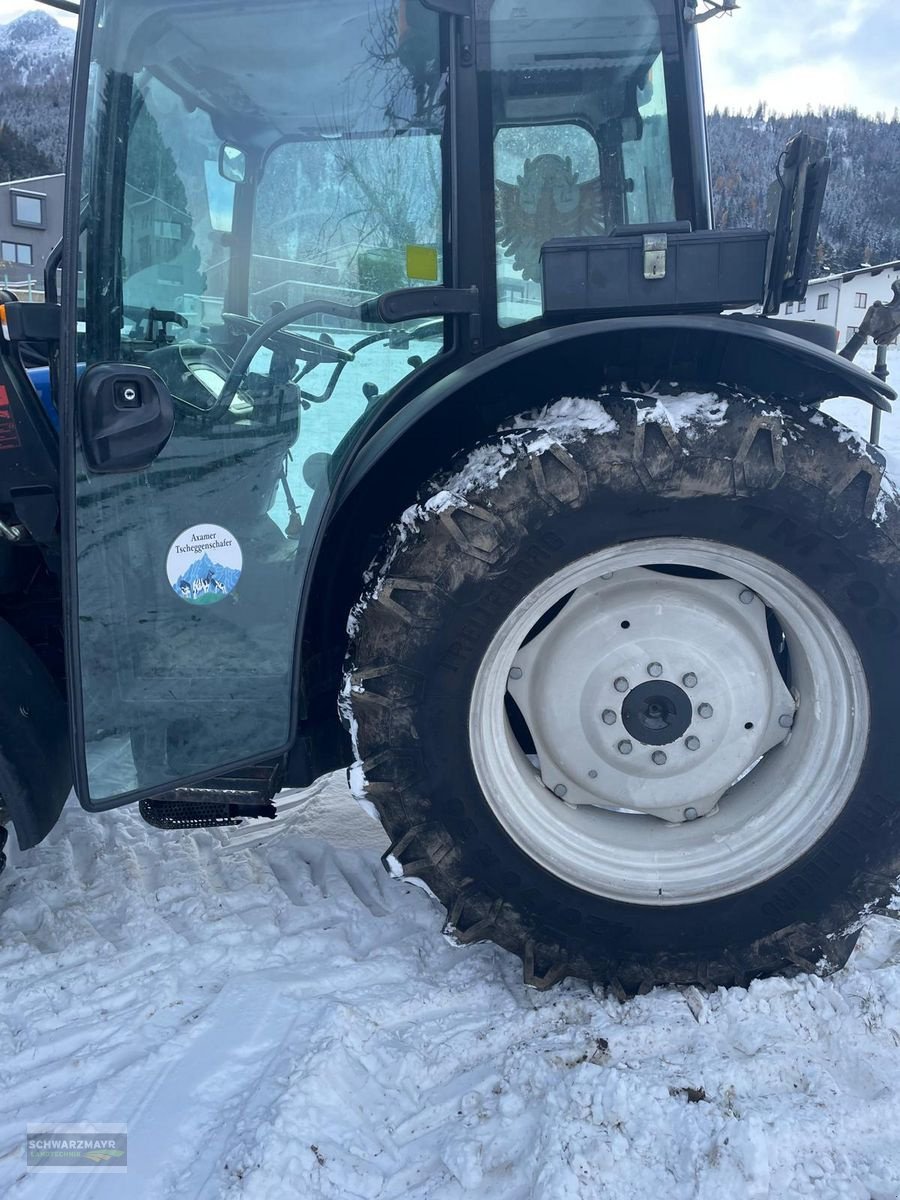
(282, 216)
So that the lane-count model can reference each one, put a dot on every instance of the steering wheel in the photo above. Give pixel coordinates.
(293, 345)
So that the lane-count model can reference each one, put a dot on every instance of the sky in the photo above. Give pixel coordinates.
(791, 53)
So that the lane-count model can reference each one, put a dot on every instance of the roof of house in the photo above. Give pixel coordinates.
(846, 276)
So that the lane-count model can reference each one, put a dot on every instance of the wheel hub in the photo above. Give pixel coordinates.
(611, 727)
(657, 713)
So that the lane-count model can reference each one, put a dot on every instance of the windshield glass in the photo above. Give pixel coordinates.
(241, 159)
(582, 128)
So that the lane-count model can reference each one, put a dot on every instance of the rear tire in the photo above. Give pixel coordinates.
(584, 479)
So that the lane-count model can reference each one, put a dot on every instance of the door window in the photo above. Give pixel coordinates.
(241, 160)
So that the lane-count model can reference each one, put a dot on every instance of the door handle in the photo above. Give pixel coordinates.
(126, 415)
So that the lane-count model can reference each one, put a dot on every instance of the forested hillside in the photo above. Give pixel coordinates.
(861, 222)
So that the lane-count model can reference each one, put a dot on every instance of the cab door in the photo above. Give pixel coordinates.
(238, 162)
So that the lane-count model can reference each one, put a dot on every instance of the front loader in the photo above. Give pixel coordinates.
(414, 418)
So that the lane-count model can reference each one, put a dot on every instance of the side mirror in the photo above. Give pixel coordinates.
(232, 163)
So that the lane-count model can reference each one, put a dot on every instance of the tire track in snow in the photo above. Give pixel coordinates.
(279, 1019)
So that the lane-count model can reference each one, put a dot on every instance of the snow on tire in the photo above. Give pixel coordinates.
(623, 691)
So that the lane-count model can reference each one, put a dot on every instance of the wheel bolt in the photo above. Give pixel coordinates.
(655, 669)
(560, 790)
(516, 673)
(660, 758)
(607, 576)
(592, 774)
(689, 680)
(625, 747)
(705, 711)
(690, 814)
(692, 743)
(787, 721)
(747, 597)
(621, 684)
(609, 717)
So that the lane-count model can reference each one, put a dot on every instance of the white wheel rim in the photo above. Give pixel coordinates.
(711, 820)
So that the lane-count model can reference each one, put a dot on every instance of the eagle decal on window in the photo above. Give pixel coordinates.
(547, 201)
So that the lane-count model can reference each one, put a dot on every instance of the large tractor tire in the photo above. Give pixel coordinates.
(625, 691)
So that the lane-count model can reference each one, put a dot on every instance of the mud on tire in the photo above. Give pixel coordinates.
(790, 486)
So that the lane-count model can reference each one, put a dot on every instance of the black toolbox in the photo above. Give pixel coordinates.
(655, 268)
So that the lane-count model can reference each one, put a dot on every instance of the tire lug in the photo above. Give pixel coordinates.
(689, 680)
(516, 673)
(621, 684)
(691, 814)
(660, 758)
(609, 717)
(655, 670)
(625, 747)
(692, 743)
(705, 711)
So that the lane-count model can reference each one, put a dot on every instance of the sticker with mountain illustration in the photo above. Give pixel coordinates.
(204, 564)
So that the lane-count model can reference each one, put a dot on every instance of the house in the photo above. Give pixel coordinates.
(31, 221)
(842, 301)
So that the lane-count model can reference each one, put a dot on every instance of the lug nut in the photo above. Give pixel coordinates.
(609, 717)
(690, 814)
(621, 684)
(625, 747)
(787, 721)
(689, 680)
(660, 758)
(607, 576)
(692, 743)
(747, 597)
(560, 790)
(705, 711)
(655, 669)
(592, 774)
(516, 673)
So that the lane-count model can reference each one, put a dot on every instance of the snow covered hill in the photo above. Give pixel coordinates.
(280, 1020)
(33, 48)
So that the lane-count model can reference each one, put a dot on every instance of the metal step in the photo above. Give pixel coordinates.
(225, 800)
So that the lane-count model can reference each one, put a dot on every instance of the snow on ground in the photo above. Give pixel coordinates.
(274, 1017)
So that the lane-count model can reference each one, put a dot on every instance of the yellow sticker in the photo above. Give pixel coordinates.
(422, 262)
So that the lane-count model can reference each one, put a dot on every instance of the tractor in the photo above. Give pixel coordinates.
(396, 407)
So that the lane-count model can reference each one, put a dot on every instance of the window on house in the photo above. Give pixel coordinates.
(801, 307)
(16, 252)
(789, 310)
(823, 300)
(852, 331)
(862, 299)
(168, 229)
(27, 210)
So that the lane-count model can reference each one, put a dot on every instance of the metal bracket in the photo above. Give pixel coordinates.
(656, 251)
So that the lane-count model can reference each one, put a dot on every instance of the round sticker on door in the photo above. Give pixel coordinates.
(204, 564)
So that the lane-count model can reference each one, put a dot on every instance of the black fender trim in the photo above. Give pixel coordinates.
(35, 759)
(702, 351)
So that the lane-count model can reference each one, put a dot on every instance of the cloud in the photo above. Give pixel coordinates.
(794, 55)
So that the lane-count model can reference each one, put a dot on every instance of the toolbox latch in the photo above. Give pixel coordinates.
(656, 250)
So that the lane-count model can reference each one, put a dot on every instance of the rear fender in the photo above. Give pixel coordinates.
(35, 761)
(703, 352)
